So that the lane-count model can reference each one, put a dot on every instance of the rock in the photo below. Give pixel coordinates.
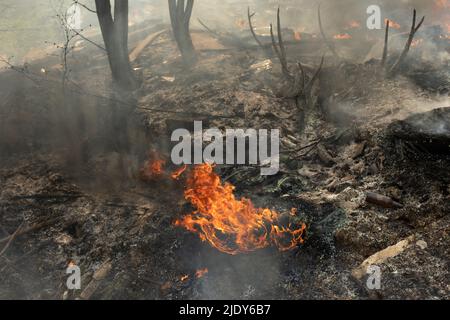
(358, 150)
(422, 244)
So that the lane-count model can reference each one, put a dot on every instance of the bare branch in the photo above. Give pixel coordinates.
(252, 30)
(329, 44)
(412, 33)
(386, 43)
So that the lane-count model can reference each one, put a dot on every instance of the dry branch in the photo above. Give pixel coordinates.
(137, 51)
(279, 48)
(329, 44)
(252, 29)
(386, 41)
(412, 33)
(11, 239)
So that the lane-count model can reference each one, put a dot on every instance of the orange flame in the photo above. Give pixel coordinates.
(353, 24)
(442, 4)
(230, 225)
(344, 36)
(177, 173)
(392, 24)
(201, 273)
(242, 24)
(416, 42)
(153, 168)
(297, 35)
(184, 278)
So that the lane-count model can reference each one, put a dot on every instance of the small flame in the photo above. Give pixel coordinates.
(184, 278)
(242, 24)
(442, 4)
(230, 225)
(177, 173)
(353, 24)
(344, 36)
(201, 273)
(297, 35)
(392, 24)
(153, 168)
(416, 42)
(71, 264)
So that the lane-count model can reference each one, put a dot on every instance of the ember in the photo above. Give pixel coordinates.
(392, 24)
(153, 168)
(184, 278)
(201, 273)
(344, 36)
(177, 173)
(230, 225)
(353, 25)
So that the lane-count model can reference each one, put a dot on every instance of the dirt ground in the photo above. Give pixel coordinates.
(70, 187)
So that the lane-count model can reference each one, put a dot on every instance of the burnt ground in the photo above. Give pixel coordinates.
(70, 187)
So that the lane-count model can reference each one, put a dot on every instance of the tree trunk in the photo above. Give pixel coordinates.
(115, 36)
(180, 16)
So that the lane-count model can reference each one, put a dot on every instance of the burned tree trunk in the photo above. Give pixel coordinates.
(115, 36)
(180, 16)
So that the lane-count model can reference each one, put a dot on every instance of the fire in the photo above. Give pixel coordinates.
(230, 225)
(177, 173)
(392, 24)
(71, 264)
(201, 273)
(344, 36)
(353, 24)
(442, 4)
(297, 35)
(416, 42)
(184, 278)
(153, 168)
(242, 24)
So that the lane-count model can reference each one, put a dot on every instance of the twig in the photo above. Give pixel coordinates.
(88, 40)
(196, 114)
(252, 30)
(34, 227)
(329, 44)
(47, 196)
(412, 33)
(85, 6)
(279, 48)
(208, 29)
(386, 41)
(11, 239)
(309, 86)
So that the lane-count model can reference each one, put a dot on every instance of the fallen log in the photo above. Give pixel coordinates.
(137, 51)
(98, 276)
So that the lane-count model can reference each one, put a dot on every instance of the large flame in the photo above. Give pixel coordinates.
(232, 226)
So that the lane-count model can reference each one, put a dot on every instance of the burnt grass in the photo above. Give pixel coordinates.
(70, 174)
